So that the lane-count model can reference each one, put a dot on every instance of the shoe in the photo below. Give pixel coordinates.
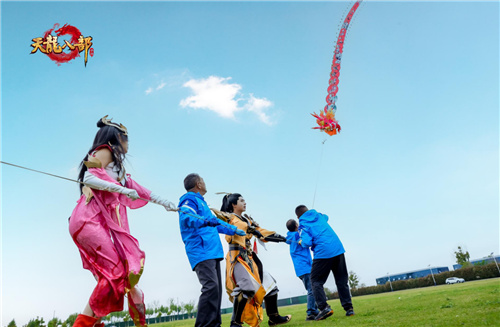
(235, 324)
(325, 313)
(310, 317)
(278, 320)
(349, 312)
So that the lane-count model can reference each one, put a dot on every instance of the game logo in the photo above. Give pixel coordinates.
(68, 50)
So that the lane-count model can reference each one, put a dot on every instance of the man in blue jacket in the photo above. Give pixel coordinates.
(328, 256)
(200, 233)
(302, 261)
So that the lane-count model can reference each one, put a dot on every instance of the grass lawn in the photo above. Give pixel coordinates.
(474, 303)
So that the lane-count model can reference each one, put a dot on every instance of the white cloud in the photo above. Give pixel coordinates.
(162, 85)
(157, 88)
(213, 93)
(259, 106)
(219, 95)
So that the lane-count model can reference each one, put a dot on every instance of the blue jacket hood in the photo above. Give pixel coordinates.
(312, 216)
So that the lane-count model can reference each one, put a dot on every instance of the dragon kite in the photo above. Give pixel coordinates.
(326, 118)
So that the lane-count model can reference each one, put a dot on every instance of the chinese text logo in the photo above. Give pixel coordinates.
(49, 45)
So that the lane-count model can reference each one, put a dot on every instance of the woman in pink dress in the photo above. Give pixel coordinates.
(100, 229)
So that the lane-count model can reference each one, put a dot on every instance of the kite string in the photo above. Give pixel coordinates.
(42, 172)
(319, 171)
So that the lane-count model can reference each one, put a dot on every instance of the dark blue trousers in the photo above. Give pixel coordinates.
(312, 308)
(319, 274)
(209, 275)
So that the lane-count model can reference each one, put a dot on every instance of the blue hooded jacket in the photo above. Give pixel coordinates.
(202, 242)
(301, 257)
(319, 236)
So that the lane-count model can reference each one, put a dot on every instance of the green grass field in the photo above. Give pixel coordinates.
(474, 303)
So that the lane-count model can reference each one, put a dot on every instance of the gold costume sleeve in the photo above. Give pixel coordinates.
(93, 162)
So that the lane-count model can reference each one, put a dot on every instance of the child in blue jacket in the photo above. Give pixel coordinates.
(317, 234)
(302, 261)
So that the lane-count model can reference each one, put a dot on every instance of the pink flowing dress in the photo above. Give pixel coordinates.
(100, 230)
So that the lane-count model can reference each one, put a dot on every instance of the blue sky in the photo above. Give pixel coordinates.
(226, 90)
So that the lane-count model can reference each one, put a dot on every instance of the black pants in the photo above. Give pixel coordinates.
(319, 274)
(209, 275)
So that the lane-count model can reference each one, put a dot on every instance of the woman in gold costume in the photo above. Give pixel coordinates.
(247, 283)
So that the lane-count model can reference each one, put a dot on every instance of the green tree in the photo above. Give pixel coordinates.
(172, 306)
(37, 322)
(54, 322)
(156, 310)
(189, 307)
(71, 319)
(12, 323)
(181, 308)
(462, 257)
(125, 315)
(165, 310)
(150, 311)
(353, 280)
(155, 305)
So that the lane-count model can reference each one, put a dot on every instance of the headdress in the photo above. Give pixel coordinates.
(108, 122)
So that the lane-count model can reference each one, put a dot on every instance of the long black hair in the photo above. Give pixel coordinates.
(228, 201)
(106, 135)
